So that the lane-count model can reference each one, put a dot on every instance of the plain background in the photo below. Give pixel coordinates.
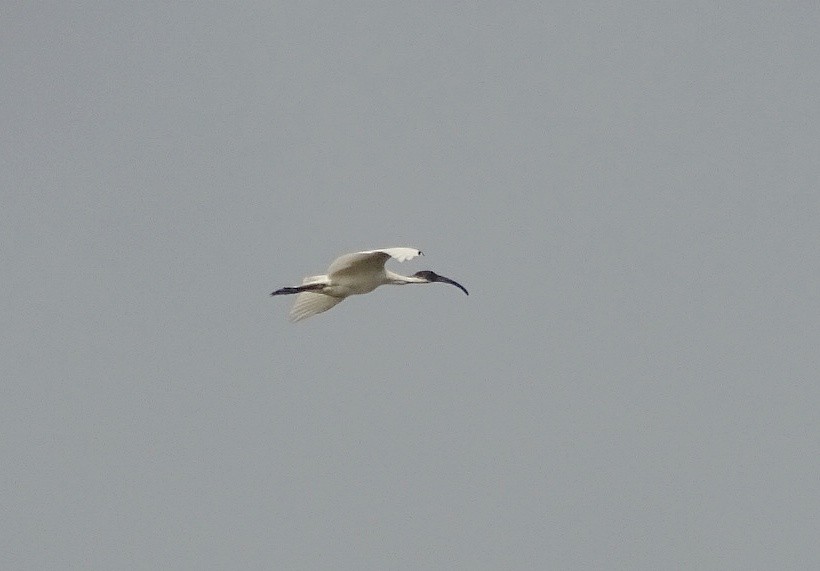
(628, 190)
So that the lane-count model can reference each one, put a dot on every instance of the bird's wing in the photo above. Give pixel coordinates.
(309, 303)
(400, 254)
(372, 260)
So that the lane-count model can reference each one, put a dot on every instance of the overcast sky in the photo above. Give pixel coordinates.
(628, 190)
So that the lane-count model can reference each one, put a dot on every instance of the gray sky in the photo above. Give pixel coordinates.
(629, 192)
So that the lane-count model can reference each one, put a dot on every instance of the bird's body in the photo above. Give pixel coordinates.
(354, 274)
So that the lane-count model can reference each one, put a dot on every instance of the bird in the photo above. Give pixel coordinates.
(355, 274)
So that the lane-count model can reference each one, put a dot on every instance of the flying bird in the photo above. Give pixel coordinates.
(355, 274)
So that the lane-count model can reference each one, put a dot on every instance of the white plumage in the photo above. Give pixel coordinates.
(354, 274)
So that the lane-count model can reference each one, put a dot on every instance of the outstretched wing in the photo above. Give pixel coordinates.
(309, 303)
(370, 260)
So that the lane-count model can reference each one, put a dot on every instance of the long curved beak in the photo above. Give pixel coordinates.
(442, 279)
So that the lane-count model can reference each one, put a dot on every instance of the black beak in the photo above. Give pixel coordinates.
(442, 279)
(434, 277)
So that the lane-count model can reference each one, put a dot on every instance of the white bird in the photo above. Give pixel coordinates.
(354, 274)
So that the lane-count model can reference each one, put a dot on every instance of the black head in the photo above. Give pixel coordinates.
(434, 277)
(426, 275)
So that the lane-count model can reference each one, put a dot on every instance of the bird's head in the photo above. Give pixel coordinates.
(431, 277)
